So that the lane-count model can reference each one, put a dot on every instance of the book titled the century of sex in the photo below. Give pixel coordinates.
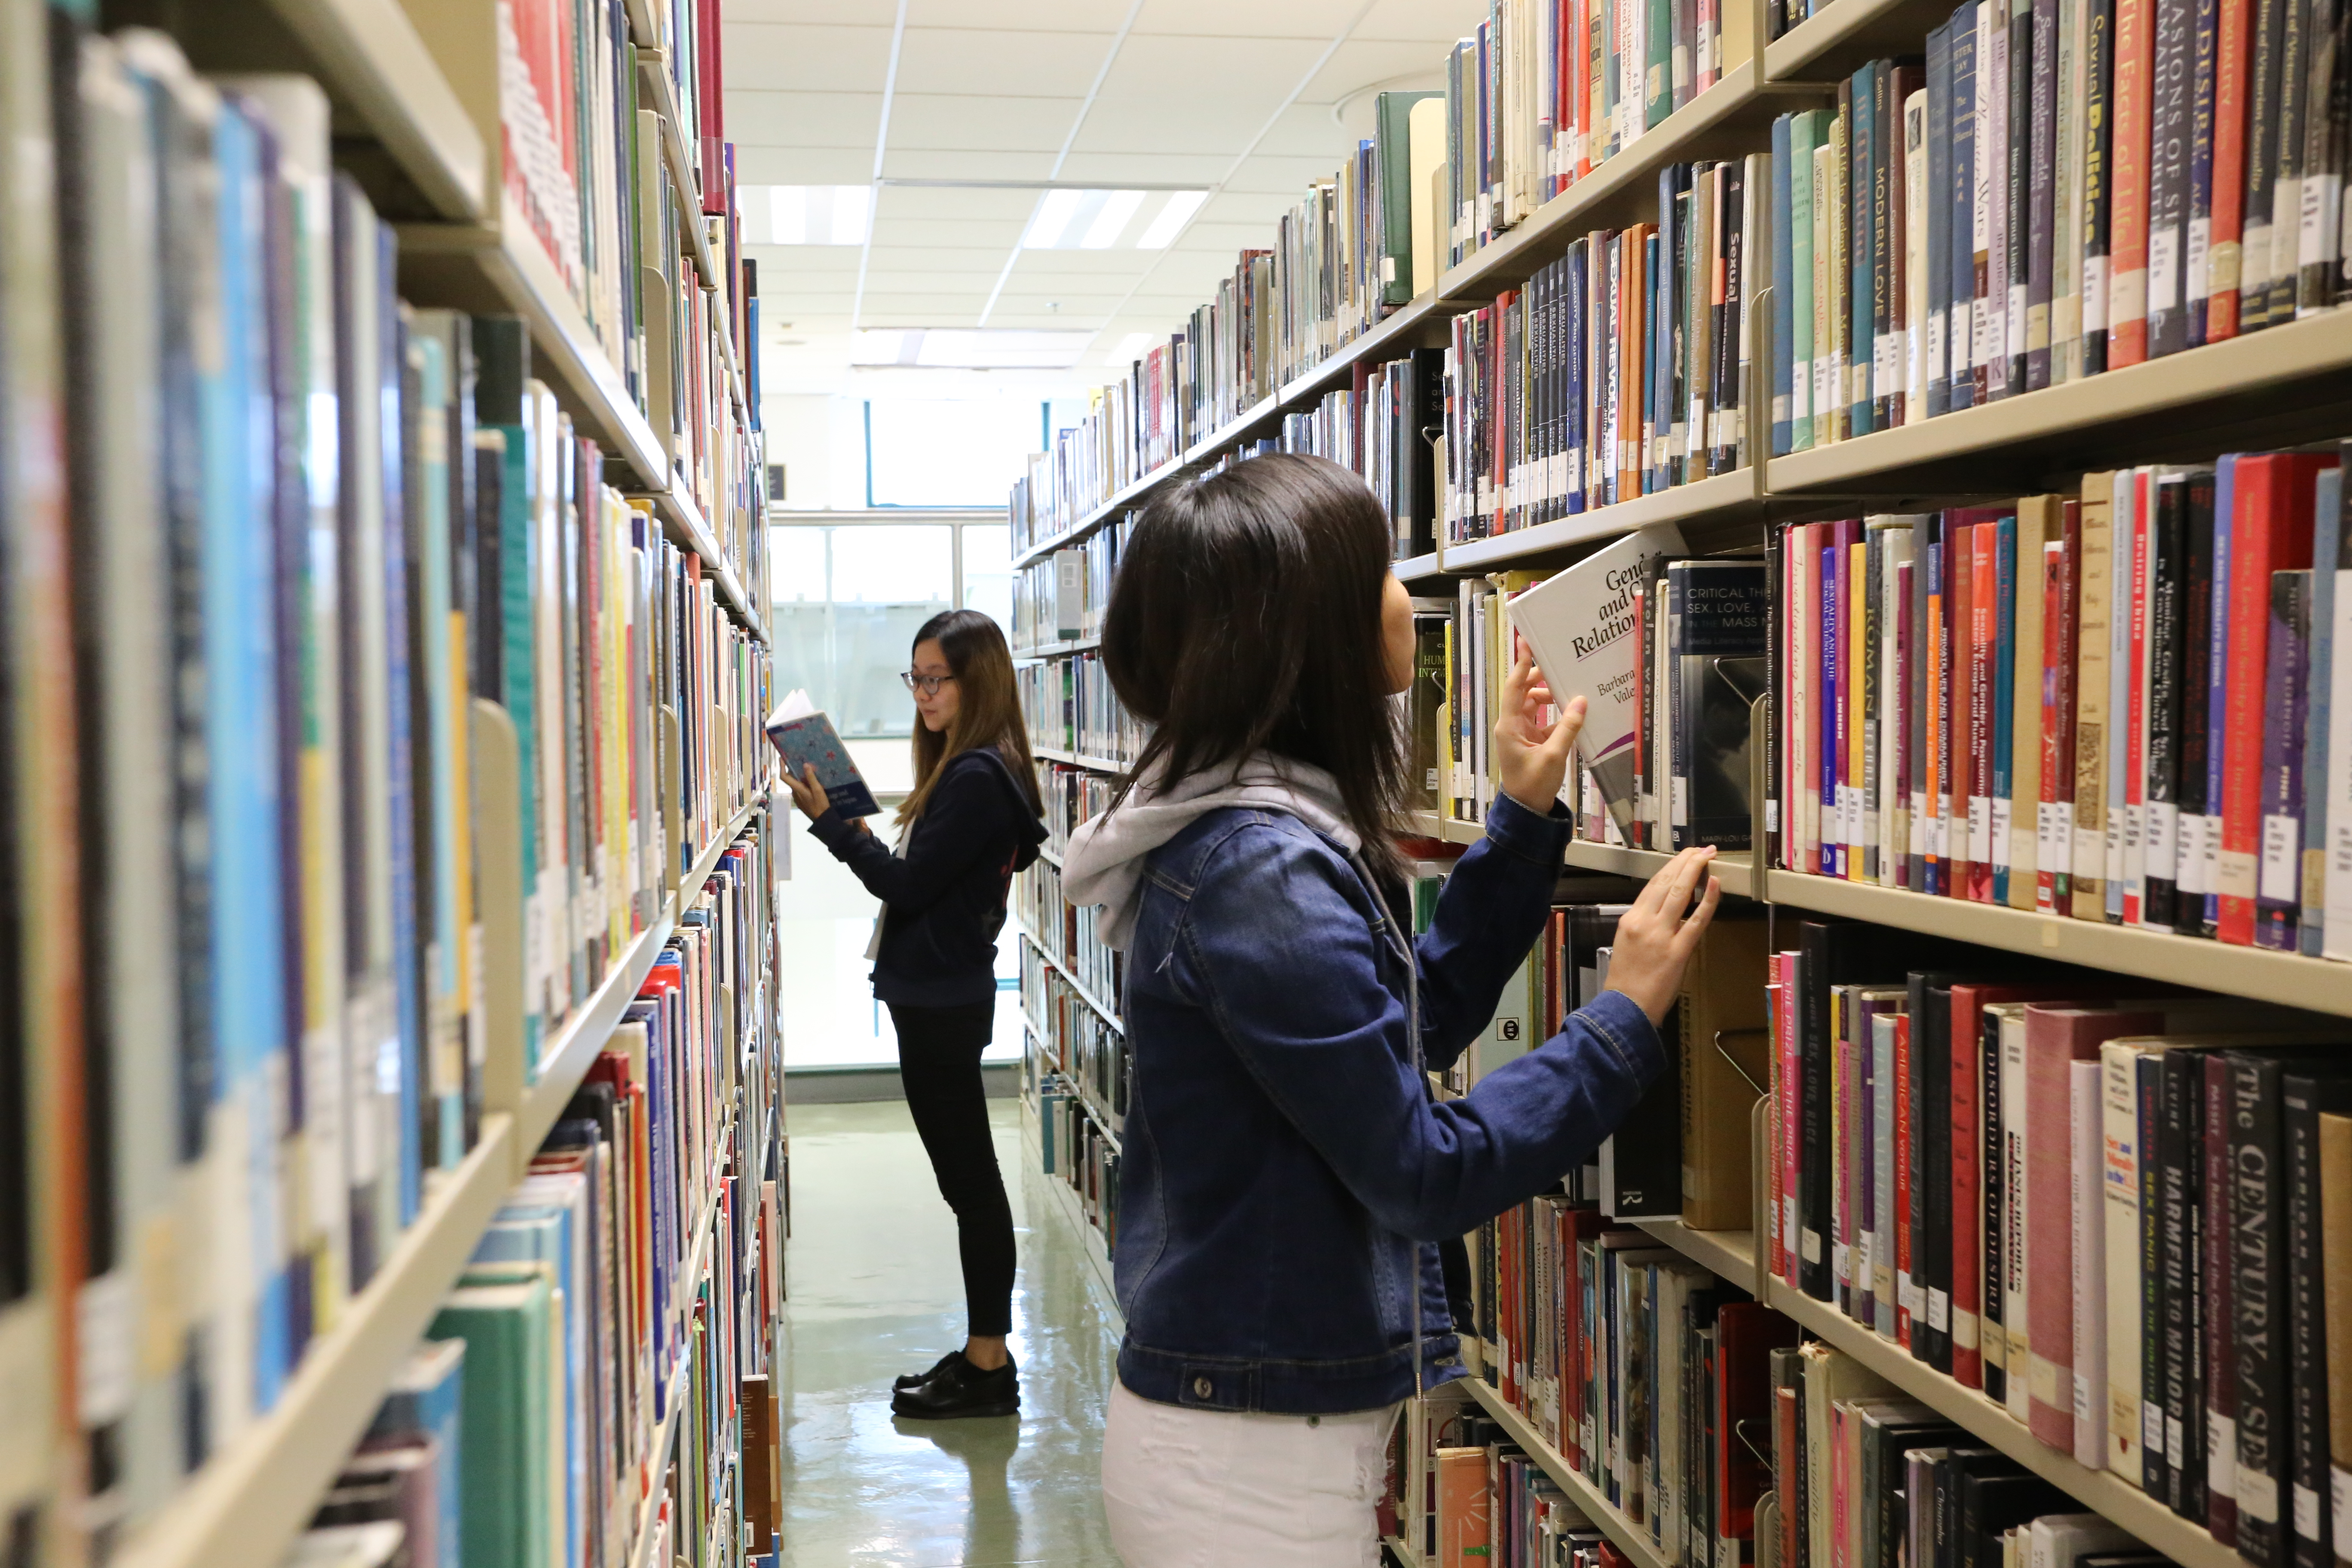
(1580, 623)
(807, 738)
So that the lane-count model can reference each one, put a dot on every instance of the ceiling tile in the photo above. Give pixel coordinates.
(950, 203)
(1357, 66)
(1020, 16)
(1305, 129)
(961, 122)
(767, 165)
(946, 257)
(881, 14)
(1432, 21)
(805, 57)
(804, 119)
(1320, 20)
(1260, 210)
(993, 62)
(963, 163)
(1124, 263)
(1192, 94)
(1149, 168)
(1289, 176)
(805, 264)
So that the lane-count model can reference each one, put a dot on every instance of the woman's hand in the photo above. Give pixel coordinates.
(1656, 938)
(807, 794)
(1530, 763)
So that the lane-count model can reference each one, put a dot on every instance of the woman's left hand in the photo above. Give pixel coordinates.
(807, 794)
(1530, 763)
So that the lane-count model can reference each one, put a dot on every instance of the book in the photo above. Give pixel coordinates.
(807, 739)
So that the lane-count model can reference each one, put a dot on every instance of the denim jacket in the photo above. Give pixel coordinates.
(1286, 1172)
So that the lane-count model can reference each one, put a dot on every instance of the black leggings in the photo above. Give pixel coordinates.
(939, 1062)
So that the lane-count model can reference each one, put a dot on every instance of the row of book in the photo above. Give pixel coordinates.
(2113, 704)
(1076, 1040)
(1072, 795)
(1067, 934)
(1619, 370)
(1063, 597)
(1382, 426)
(582, 1384)
(1482, 1500)
(1070, 707)
(288, 553)
(2058, 189)
(2101, 1201)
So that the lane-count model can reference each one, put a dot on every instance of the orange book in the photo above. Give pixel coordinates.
(1464, 1508)
(2134, 96)
(2224, 253)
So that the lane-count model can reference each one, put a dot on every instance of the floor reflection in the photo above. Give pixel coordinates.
(875, 1291)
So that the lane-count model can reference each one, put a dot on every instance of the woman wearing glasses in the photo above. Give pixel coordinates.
(973, 819)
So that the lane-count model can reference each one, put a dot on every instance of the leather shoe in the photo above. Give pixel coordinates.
(961, 1389)
(915, 1379)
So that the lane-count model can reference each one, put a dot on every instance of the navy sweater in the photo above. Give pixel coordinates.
(944, 899)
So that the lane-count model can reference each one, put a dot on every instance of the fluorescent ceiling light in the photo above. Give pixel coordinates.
(1182, 205)
(1111, 221)
(962, 349)
(809, 215)
(1054, 216)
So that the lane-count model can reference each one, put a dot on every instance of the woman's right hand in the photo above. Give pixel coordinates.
(1656, 938)
(807, 794)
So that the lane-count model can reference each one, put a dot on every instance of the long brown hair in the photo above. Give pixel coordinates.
(1246, 617)
(988, 708)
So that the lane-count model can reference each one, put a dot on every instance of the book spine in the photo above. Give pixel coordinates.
(2099, 185)
(2258, 1300)
(2045, 130)
(2263, 78)
(1974, 1194)
(2155, 1471)
(2197, 279)
(2327, 537)
(2051, 1148)
(2087, 1216)
(1984, 623)
(1991, 171)
(2232, 47)
(1962, 204)
(2286, 695)
(2016, 199)
(2171, 86)
(2126, 1284)
(2216, 1247)
(2306, 1352)
(2296, 53)
(2166, 640)
(2181, 1161)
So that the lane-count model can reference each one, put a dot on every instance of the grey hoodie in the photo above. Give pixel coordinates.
(1105, 863)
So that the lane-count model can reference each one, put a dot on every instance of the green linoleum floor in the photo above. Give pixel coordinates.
(873, 1290)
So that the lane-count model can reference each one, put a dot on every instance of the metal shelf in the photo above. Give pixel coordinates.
(1119, 502)
(1631, 1538)
(1110, 1016)
(1846, 35)
(2286, 978)
(1734, 869)
(1720, 497)
(653, 79)
(683, 520)
(2189, 1545)
(1420, 568)
(254, 1498)
(1079, 760)
(1060, 648)
(1729, 1253)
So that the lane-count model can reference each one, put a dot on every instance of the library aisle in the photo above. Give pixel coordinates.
(873, 1290)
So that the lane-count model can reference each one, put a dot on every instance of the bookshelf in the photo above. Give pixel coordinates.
(1079, 760)
(1628, 1537)
(1844, 33)
(1108, 1015)
(1063, 1199)
(244, 1507)
(1722, 498)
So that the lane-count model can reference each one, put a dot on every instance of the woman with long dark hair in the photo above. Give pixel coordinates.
(973, 821)
(1287, 1173)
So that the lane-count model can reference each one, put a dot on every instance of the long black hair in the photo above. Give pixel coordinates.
(1246, 617)
(988, 708)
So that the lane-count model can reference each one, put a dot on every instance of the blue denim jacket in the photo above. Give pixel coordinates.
(1286, 1172)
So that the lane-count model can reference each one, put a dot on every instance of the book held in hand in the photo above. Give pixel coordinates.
(807, 738)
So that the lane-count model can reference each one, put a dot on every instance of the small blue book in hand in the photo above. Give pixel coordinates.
(807, 739)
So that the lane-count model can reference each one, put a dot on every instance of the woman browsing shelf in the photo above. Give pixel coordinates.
(1287, 1175)
(973, 821)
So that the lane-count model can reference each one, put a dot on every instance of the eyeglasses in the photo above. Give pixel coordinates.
(928, 685)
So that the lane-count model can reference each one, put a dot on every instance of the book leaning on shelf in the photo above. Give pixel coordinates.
(321, 538)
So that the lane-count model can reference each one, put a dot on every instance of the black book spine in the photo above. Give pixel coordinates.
(2258, 1297)
(2304, 1100)
(1993, 1184)
(2098, 176)
(2172, 86)
(2156, 1475)
(2328, 129)
(1731, 245)
(2180, 1156)
(2167, 631)
(2284, 196)
(2016, 189)
(2262, 77)
(2196, 669)
(1938, 1188)
(2042, 195)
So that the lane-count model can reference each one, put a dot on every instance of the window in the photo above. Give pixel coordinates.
(947, 454)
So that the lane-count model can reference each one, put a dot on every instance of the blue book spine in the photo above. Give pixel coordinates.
(519, 672)
(1861, 331)
(249, 999)
(1962, 163)
(1653, 278)
(1784, 337)
(2217, 686)
(2004, 686)
(401, 792)
(1935, 352)
(2326, 539)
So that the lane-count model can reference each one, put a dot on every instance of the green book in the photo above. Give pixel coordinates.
(1658, 64)
(508, 1329)
(1393, 146)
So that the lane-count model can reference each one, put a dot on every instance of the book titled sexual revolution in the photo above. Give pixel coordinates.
(807, 739)
(1580, 622)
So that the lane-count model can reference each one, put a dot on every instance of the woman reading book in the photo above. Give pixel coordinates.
(973, 821)
(1287, 1175)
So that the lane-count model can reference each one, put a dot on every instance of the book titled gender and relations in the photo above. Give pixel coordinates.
(1580, 623)
(807, 739)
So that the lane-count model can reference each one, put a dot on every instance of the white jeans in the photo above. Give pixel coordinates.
(1212, 1488)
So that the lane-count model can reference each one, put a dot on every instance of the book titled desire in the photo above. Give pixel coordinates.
(807, 739)
(1580, 622)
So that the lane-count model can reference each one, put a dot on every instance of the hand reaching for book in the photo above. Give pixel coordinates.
(807, 794)
(1656, 937)
(1532, 762)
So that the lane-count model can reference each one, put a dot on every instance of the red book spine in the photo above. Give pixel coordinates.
(1902, 1111)
(1786, 1440)
(1984, 647)
(1959, 594)
(2225, 252)
(2132, 99)
(2269, 531)
(2135, 605)
(1775, 1004)
(1968, 1196)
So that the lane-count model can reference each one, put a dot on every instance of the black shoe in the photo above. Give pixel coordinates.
(959, 1389)
(916, 1379)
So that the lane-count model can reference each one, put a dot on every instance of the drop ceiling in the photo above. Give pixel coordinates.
(960, 115)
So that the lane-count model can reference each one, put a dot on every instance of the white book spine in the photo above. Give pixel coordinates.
(2337, 930)
(2083, 1079)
